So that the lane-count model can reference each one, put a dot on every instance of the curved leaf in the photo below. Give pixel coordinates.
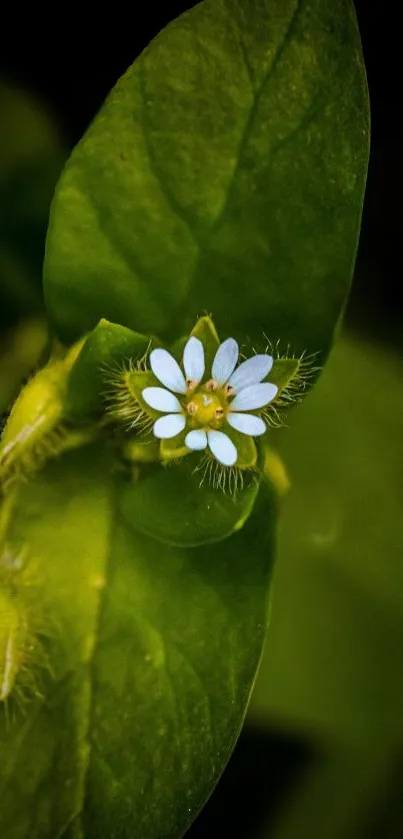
(226, 173)
(107, 348)
(175, 507)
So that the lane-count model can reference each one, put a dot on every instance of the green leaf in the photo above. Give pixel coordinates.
(176, 506)
(153, 650)
(36, 416)
(107, 348)
(225, 173)
(35, 428)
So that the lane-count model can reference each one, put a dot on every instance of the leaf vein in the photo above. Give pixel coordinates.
(170, 198)
(245, 134)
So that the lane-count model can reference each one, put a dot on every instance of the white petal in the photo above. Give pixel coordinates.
(169, 426)
(247, 424)
(196, 440)
(193, 359)
(251, 371)
(161, 399)
(225, 360)
(222, 447)
(254, 396)
(167, 370)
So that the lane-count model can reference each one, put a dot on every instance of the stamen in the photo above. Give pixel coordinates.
(191, 384)
(191, 408)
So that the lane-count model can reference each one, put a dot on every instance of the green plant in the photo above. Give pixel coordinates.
(224, 175)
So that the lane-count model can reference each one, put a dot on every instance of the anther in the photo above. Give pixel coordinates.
(191, 408)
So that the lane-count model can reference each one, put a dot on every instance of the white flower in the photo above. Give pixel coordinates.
(205, 407)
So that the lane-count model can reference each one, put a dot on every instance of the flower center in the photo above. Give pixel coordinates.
(205, 409)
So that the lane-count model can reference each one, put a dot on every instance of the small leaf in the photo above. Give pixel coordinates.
(171, 506)
(105, 351)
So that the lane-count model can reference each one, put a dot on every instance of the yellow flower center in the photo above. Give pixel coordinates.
(205, 409)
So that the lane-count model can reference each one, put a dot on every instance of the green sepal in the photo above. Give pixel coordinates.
(283, 371)
(291, 375)
(245, 446)
(135, 382)
(206, 332)
(105, 352)
(124, 398)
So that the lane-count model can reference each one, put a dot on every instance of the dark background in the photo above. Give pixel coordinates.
(72, 62)
(70, 66)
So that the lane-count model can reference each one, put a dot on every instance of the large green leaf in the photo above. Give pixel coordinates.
(153, 650)
(226, 173)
